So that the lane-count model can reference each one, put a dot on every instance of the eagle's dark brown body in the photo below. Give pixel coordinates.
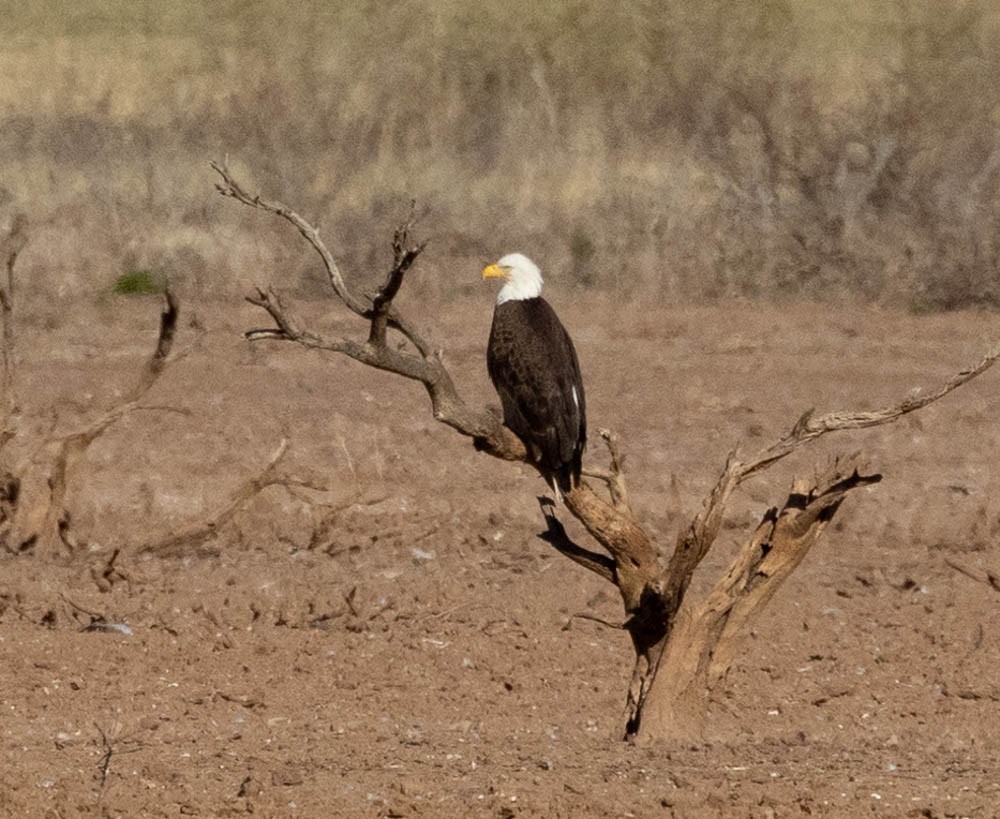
(533, 365)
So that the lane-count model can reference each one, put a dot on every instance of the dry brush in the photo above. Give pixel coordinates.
(683, 648)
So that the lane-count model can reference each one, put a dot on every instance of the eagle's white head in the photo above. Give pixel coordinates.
(521, 276)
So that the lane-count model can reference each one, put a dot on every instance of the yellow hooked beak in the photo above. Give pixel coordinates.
(494, 271)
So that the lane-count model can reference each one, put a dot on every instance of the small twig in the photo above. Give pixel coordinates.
(986, 576)
(582, 616)
(616, 486)
(93, 614)
(613, 477)
(349, 600)
(270, 301)
(164, 342)
(106, 577)
(109, 744)
(404, 255)
(105, 762)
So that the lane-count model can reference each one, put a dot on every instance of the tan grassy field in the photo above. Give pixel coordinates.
(656, 149)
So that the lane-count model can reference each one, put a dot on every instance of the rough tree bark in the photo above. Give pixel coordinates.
(682, 648)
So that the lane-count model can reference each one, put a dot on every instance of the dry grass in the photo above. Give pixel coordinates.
(682, 151)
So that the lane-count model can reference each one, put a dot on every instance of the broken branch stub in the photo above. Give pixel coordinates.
(777, 547)
(404, 255)
(681, 648)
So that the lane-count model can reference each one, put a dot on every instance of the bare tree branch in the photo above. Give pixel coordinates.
(191, 537)
(614, 476)
(808, 428)
(637, 567)
(695, 543)
(599, 620)
(45, 515)
(675, 674)
(231, 188)
(555, 535)
(164, 343)
(404, 255)
(488, 432)
(777, 547)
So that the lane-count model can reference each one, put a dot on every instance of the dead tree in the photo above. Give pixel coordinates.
(682, 648)
(33, 487)
(33, 490)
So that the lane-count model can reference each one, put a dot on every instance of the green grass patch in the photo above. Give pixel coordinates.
(138, 283)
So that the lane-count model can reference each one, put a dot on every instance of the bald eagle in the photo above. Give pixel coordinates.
(534, 368)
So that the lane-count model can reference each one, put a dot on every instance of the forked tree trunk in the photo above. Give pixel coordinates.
(674, 705)
(676, 675)
(682, 648)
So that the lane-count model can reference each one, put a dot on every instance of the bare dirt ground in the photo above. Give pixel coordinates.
(393, 639)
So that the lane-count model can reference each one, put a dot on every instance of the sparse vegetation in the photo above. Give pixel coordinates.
(138, 283)
(799, 150)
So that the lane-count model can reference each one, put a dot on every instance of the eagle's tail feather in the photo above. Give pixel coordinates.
(555, 481)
